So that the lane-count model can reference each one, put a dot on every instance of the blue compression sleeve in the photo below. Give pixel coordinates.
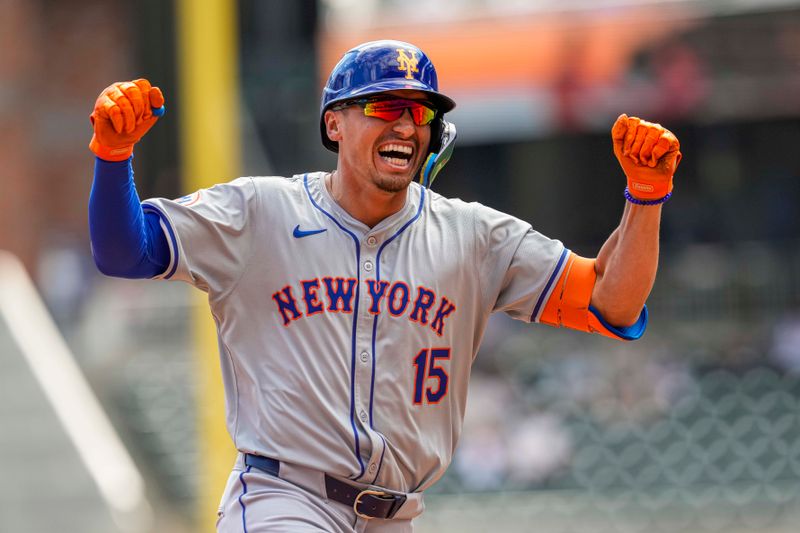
(126, 242)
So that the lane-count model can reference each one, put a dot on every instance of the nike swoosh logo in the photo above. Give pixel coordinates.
(299, 234)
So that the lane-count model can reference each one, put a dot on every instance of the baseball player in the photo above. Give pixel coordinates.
(350, 304)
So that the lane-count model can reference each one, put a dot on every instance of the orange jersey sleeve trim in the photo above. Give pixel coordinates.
(569, 304)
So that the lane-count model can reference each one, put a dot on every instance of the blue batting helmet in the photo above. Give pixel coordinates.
(380, 66)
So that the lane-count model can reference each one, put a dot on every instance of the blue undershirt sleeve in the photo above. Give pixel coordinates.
(627, 333)
(126, 242)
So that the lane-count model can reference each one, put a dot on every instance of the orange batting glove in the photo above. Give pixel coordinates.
(122, 115)
(648, 154)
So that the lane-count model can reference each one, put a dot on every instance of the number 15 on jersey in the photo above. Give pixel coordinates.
(430, 377)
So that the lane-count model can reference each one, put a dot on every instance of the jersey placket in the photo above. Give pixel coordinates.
(365, 362)
(373, 245)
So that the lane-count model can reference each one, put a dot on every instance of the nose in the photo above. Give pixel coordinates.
(404, 125)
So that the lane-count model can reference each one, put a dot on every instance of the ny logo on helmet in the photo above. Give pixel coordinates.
(407, 64)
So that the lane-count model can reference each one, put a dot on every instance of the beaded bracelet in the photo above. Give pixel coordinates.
(633, 200)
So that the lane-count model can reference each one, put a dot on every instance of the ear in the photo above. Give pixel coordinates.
(332, 126)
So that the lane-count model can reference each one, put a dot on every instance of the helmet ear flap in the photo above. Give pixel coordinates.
(439, 154)
(436, 135)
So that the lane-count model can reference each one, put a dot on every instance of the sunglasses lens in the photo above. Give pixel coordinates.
(422, 114)
(393, 109)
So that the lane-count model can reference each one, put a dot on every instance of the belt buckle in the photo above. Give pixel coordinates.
(368, 492)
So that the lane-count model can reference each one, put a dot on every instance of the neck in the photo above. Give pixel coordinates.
(365, 202)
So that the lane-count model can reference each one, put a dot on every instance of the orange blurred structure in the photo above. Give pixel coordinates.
(531, 50)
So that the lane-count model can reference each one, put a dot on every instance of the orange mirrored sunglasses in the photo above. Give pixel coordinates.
(390, 109)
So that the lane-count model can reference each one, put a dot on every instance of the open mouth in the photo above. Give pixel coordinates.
(396, 154)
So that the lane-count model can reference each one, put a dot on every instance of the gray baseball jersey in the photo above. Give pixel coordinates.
(345, 348)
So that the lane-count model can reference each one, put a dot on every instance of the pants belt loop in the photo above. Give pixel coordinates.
(265, 464)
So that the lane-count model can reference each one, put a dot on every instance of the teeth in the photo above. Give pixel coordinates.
(395, 160)
(397, 148)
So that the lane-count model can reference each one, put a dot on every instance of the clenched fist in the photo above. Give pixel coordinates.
(648, 154)
(122, 114)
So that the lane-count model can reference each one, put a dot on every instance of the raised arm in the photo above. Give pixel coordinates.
(627, 263)
(126, 242)
(606, 295)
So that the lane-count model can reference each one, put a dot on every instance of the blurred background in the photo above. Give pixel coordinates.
(696, 427)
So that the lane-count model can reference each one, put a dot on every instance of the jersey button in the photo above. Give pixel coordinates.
(363, 416)
(372, 468)
(371, 240)
(368, 266)
(364, 357)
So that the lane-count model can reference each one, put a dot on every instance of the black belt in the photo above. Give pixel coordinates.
(367, 503)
